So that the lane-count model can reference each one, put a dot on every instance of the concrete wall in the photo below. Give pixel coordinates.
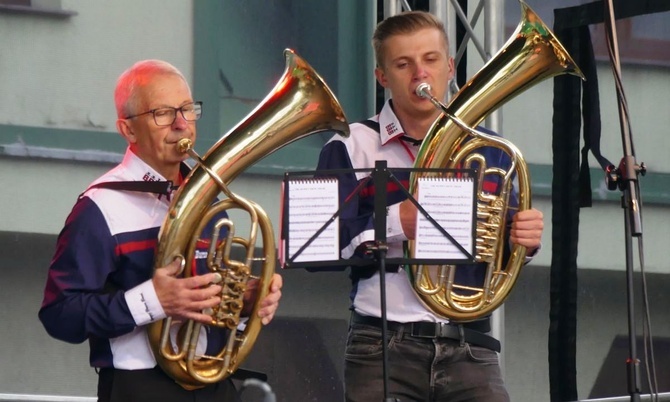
(61, 72)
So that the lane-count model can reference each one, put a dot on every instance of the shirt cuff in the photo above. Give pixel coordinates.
(242, 325)
(529, 258)
(394, 232)
(144, 304)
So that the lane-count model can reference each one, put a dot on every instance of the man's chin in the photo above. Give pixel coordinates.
(429, 111)
(178, 157)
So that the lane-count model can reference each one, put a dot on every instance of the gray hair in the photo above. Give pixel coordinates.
(139, 74)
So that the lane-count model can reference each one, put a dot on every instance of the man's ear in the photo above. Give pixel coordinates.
(452, 68)
(125, 129)
(381, 77)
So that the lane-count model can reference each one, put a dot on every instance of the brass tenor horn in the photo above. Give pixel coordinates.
(300, 104)
(531, 55)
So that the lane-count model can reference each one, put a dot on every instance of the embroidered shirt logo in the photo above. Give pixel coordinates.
(148, 176)
(391, 129)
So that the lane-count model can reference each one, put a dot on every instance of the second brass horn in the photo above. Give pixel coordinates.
(300, 104)
(531, 55)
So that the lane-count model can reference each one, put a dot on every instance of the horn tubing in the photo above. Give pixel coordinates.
(531, 55)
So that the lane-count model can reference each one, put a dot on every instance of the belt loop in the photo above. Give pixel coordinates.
(400, 333)
(461, 334)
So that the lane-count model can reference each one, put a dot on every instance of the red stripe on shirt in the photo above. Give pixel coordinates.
(490, 186)
(390, 187)
(127, 248)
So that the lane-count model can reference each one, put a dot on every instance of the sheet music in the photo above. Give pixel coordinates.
(450, 202)
(312, 203)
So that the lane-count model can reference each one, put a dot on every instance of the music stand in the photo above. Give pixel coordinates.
(380, 176)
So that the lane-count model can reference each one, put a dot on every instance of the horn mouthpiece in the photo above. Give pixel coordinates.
(184, 145)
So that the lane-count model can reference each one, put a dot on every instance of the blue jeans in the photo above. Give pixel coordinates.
(419, 369)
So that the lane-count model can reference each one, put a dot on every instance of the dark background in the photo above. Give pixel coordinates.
(302, 350)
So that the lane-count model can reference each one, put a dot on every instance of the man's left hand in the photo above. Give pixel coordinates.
(269, 304)
(527, 229)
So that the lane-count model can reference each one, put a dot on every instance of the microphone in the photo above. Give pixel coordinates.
(423, 90)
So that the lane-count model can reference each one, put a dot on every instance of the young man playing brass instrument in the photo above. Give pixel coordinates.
(425, 362)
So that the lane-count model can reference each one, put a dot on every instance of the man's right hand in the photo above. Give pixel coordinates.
(408, 213)
(185, 298)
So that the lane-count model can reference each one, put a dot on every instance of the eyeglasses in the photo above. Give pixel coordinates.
(165, 116)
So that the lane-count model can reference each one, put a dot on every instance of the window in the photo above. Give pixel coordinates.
(48, 8)
(237, 64)
(643, 39)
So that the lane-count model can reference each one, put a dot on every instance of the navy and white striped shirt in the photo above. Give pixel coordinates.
(99, 282)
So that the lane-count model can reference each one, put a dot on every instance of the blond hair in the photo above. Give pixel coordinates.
(401, 24)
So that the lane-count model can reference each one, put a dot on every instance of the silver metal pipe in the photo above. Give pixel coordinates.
(662, 397)
(494, 25)
(393, 7)
(494, 19)
(468, 28)
(45, 398)
(467, 36)
(443, 12)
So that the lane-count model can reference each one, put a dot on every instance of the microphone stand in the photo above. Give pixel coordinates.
(625, 178)
(380, 248)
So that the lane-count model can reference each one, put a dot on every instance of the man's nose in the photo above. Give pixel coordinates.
(420, 71)
(179, 123)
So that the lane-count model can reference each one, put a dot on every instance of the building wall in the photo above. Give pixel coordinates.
(43, 192)
(60, 73)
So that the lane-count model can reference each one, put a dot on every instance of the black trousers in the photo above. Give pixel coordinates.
(153, 385)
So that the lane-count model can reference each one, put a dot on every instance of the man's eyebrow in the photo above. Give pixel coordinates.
(432, 53)
(400, 58)
(166, 106)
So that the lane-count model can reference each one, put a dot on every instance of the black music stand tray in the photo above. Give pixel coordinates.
(380, 176)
